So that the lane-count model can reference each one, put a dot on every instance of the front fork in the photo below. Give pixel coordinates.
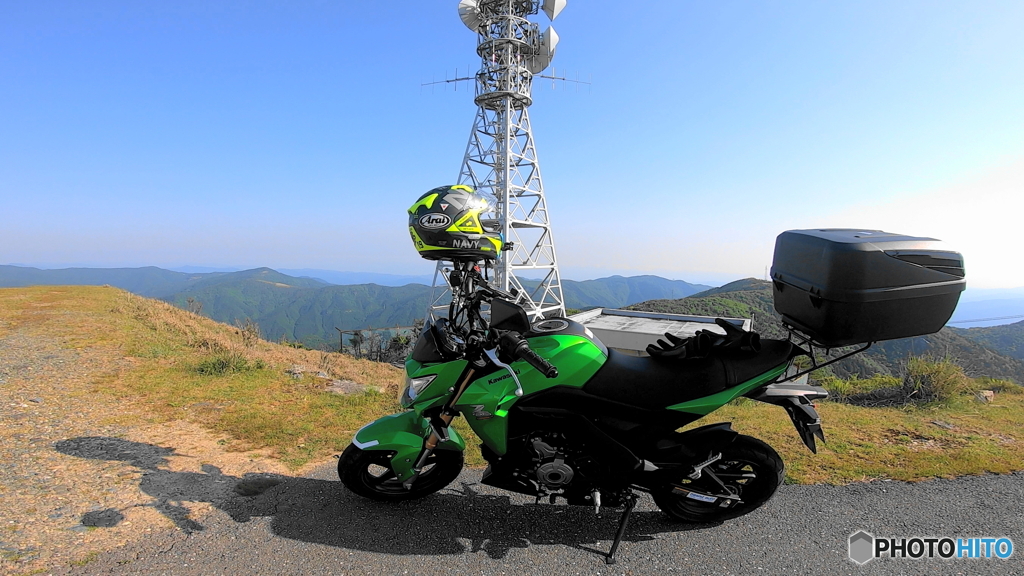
(439, 425)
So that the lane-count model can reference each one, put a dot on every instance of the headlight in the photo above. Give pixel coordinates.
(413, 387)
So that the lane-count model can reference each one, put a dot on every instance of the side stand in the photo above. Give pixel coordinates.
(623, 521)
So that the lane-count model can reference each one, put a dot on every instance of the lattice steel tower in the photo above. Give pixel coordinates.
(501, 157)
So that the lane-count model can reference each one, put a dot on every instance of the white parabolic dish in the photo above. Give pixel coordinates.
(469, 12)
(545, 51)
(553, 7)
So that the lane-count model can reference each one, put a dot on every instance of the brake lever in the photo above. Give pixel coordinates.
(493, 357)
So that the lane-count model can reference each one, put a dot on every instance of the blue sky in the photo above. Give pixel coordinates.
(295, 134)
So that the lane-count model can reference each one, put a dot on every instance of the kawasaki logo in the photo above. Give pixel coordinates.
(435, 221)
(500, 378)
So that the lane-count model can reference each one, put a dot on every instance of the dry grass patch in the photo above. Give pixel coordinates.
(181, 366)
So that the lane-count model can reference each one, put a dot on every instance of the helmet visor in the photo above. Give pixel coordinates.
(484, 202)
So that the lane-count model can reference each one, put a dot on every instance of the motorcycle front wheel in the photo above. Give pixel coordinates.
(749, 468)
(368, 473)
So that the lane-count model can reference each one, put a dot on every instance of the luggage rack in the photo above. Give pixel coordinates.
(810, 348)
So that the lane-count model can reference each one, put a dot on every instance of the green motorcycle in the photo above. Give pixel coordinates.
(561, 415)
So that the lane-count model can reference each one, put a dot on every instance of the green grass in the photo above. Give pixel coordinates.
(220, 364)
(954, 435)
(259, 407)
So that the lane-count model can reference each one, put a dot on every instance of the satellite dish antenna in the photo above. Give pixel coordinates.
(552, 8)
(469, 12)
(545, 50)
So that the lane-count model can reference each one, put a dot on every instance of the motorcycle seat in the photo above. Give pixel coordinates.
(649, 383)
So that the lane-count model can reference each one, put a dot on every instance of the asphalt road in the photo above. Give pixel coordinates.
(312, 525)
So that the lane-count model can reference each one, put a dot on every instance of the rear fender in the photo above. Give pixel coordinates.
(712, 437)
(797, 398)
(694, 445)
(403, 434)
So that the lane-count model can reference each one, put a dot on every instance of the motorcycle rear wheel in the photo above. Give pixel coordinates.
(368, 473)
(752, 470)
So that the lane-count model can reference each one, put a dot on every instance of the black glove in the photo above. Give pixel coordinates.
(678, 348)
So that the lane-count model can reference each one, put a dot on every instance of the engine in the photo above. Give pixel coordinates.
(552, 471)
(545, 463)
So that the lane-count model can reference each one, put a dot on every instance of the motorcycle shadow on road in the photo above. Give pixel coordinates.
(466, 517)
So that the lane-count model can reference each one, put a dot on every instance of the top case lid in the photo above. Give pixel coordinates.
(855, 264)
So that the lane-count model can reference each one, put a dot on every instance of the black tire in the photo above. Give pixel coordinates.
(368, 473)
(762, 471)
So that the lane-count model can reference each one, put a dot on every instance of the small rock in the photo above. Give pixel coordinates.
(36, 400)
(345, 387)
(942, 424)
(322, 374)
(985, 396)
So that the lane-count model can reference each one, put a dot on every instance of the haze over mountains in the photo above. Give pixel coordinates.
(309, 310)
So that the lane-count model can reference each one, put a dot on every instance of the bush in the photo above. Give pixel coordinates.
(293, 344)
(231, 362)
(841, 390)
(928, 381)
(923, 381)
(999, 386)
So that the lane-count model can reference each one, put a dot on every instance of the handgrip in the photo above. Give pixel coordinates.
(534, 359)
(521, 351)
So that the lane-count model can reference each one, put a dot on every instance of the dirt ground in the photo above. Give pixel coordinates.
(79, 474)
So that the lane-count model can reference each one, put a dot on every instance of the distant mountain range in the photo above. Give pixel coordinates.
(343, 278)
(307, 309)
(150, 281)
(997, 352)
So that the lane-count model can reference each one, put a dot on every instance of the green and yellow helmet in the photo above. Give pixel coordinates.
(446, 224)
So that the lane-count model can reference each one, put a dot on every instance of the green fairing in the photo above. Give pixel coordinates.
(404, 433)
(437, 392)
(486, 401)
(709, 404)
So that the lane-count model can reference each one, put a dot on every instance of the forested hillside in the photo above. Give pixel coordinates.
(1007, 339)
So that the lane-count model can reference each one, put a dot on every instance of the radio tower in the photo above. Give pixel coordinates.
(501, 158)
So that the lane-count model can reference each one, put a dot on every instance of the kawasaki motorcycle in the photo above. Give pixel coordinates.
(561, 415)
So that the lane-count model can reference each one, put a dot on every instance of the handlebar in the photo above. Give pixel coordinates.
(520, 349)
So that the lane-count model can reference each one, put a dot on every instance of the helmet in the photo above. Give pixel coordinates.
(445, 224)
